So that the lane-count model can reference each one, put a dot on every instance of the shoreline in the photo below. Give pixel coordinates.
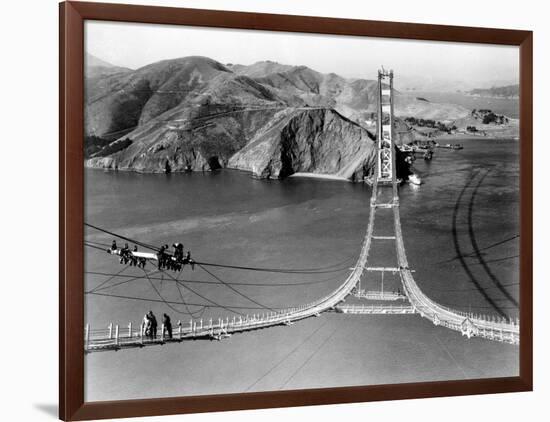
(322, 176)
(468, 137)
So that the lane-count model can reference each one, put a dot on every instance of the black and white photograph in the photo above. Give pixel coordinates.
(272, 211)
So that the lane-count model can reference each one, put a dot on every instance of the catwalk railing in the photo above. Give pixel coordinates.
(376, 309)
(115, 337)
(490, 327)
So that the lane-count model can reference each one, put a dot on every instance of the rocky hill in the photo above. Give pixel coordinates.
(308, 141)
(195, 113)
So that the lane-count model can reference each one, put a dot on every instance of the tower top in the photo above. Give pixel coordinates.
(383, 73)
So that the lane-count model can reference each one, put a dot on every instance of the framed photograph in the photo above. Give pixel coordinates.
(267, 210)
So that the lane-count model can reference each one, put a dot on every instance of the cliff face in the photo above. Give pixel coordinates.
(313, 141)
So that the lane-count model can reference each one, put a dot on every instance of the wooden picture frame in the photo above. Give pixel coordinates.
(71, 205)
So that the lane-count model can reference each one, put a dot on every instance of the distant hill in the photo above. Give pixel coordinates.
(509, 91)
(95, 67)
(194, 113)
(354, 98)
(259, 69)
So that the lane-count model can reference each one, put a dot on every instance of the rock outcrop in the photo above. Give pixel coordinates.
(317, 141)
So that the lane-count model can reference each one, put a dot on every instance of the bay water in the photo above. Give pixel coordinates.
(461, 229)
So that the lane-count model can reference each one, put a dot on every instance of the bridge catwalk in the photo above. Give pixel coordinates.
(116, 337)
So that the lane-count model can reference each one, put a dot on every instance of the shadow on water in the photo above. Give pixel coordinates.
(477, 251)
(459, 251)
(500, 260)
(492, 245)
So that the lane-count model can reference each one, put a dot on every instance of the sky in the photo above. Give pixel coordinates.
(417, 64)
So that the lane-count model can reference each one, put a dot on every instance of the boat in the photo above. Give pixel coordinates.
(451, 146)
(415, 179)
(369, 180)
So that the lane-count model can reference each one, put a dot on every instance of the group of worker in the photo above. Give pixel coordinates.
(129, 258)
(175, 261)
(149, 326)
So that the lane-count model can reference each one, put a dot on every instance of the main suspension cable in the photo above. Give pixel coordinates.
(319, 270)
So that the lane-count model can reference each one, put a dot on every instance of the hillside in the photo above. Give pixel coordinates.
(195, 113)
(259, 69)
(509, 91)
(354, 98)
(484, 122)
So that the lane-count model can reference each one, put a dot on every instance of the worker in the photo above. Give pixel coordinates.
(167, 258)
(146, 326)
(154, 325)
(124, 254)
(189, 260)
(168, 261)
(178, 251)
(162, 256)
(167, 325)
(133, 257)
(114, 246)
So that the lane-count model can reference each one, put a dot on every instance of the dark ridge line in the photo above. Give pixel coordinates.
(501, 259)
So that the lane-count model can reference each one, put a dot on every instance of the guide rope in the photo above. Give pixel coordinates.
(235, 290)
(233, 283)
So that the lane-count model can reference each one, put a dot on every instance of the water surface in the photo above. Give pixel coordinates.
(460, 228)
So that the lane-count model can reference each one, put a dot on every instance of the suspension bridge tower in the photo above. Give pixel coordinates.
(385, 163)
